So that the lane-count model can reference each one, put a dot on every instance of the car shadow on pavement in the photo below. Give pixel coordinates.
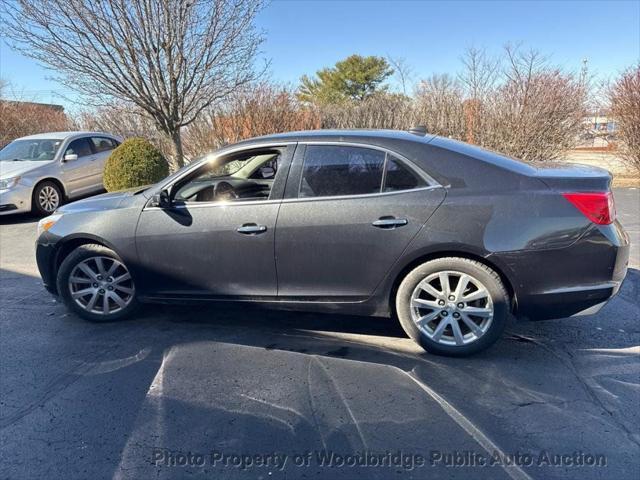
(18, 218)
(253, 381)
(288, 379)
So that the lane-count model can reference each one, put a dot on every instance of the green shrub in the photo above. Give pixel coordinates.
(133, 164)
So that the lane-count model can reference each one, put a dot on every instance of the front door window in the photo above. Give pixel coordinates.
(243, 177)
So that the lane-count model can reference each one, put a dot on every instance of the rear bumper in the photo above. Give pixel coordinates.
(570, 302)
(572, 281)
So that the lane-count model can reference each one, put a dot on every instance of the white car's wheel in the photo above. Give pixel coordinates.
(47, 197)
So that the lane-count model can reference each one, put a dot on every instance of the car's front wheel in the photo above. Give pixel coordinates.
(47, 197)
(96, 284)
(453, 306)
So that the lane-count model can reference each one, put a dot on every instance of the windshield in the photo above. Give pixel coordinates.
(39, 150)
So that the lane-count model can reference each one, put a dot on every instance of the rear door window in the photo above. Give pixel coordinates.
(333, 170)
(103, 144)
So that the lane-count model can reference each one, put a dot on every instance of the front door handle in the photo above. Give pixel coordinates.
(390, 222)
(251, 229)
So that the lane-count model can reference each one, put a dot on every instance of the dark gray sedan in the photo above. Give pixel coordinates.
(448, 237)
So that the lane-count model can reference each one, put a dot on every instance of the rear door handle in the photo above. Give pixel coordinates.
(251, 229)
(390, 222)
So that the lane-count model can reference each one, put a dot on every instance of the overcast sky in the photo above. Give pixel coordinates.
(303, 36)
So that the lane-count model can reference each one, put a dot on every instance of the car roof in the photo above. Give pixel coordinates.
(342, 135)
(384, 137)
(63, 135)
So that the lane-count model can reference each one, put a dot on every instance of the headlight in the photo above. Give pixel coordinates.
(47, 222)
(8, 183)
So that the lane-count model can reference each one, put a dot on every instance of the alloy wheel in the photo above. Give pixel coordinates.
(452, 308)
(49, 198)
(101, 285)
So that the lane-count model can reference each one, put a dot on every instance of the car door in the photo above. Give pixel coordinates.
(349, 212)
(205, 247)
(102, 147)
(79, 175)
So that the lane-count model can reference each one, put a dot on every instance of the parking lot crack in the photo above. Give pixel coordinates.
(567, 359)
(340, 394)
(513, 470)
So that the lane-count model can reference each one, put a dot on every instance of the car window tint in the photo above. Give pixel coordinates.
(80, 147)
(400, 177)
(102, 144)
(332, 170)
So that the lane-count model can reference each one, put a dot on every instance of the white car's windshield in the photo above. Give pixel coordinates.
(44, 149)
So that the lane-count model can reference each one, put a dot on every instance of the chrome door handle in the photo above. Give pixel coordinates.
(390, 222)
(251, 229)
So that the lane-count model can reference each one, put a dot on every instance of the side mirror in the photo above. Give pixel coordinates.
(268, 172)
(70, 157)
(161, 200)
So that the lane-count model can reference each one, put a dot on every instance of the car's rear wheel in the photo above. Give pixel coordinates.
(47, 197)
(96, 284)
(453, 306)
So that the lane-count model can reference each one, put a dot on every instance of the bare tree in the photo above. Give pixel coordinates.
(440, 106)
(517, 104)
(170, 58)
(403, 71)
(478, 79)
(537, 111)
(480, 73)
(381, 110)
(624, 97)
(125, 121)
(259, 109)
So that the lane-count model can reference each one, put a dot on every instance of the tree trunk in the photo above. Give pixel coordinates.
(178, 154)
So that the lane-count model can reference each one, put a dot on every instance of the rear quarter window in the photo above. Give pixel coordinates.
(399, 176)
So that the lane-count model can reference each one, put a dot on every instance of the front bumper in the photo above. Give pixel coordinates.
(15, 200)
(571, 281)
(45, 258)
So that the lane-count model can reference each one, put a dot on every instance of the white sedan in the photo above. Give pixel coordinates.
(39, 172)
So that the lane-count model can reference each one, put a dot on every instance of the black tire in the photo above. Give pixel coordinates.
(80, 254)
(43, 208)
(491, 281)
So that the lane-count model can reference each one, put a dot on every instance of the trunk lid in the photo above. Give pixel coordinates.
(571, 177)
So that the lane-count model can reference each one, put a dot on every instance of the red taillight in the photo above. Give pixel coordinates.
(597, 207)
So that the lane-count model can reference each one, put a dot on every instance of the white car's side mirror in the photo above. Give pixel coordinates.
(70, 157)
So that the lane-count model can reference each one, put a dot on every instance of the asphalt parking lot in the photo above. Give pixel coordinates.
(248, 393)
